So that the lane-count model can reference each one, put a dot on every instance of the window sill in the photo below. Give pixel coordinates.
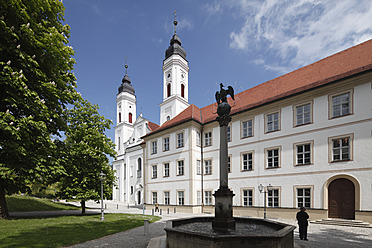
(338, 161)
(303, 164)
(273, 167)
(246, 137)
(340, 116)
(304, 124)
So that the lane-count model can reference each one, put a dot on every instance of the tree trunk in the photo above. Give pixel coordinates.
(82, 207)
(4, 213)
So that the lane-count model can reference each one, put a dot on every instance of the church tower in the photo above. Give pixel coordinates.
(125, 112)
(175, 80)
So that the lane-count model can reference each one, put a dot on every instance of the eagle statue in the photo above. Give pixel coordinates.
(221, 96)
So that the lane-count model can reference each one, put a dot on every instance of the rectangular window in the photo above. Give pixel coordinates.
(247, 197)
(273, 198)
(303, 154)
(154, 197)
(166, 169)
(179, 140)
(154, 171)
(166, 144)
(154, 147)
(181, 197)
(131, 190)
(166, 198)
(247, 162)
(341, 105)
(180, 168)
(303, 114)
(247, 128)
(198, 138)
(272, 122)
(208, 197)
(198, 167)
(208, 139)
(304, 197)
(198, 197)
(229, 164)
(341, 149)
(272, 158)
(118, 143)
(208, 167)
(228, 133)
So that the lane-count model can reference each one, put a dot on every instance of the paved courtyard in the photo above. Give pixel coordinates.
(319, 236)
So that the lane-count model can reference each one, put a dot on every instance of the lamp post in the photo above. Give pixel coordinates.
(102, 177)
(262, 189)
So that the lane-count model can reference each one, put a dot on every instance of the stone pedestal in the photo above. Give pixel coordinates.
(223, 220)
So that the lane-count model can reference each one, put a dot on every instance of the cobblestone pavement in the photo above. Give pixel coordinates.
(320, 236)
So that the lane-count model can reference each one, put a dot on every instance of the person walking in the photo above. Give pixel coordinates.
(302, 217)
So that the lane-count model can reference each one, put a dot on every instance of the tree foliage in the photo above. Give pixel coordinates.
(36, 85)
(85, 152)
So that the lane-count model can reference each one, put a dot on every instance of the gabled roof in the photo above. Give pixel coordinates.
(153, 126)
(341, 65)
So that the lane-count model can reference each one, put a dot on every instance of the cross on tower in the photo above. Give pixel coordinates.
(175, 20)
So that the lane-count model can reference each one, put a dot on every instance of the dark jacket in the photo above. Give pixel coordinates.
(302, 217)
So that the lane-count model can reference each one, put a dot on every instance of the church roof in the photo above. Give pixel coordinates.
(347, 63)
(126, 85)
(175, 47)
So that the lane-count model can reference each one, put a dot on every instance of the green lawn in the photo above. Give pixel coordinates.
(21, 203)
(59, 231)
(65, 230)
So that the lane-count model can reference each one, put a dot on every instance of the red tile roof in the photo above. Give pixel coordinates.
(153, 126)
(344, 64)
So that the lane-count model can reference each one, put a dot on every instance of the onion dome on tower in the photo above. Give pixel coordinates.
(126, 83)
(175, 45)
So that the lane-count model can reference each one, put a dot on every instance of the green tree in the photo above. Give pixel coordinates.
(36, 86)
(85, 153)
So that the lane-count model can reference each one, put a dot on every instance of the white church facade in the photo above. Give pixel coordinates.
(305, 136)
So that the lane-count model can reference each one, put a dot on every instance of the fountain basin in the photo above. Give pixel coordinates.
(249, 232)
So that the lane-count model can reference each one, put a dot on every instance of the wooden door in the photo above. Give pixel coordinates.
(341, 199)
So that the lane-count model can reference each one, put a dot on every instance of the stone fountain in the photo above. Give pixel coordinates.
(224, 230)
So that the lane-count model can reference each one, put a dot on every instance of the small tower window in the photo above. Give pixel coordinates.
(183, 90)
(130, 117)
(168, 90)
(119, 117)
(168, 118)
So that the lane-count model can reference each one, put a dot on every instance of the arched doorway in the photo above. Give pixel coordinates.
(341, 199)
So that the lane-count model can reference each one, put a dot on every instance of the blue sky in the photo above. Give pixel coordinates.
(238, 42)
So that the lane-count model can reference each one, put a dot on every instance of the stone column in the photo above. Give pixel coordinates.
(223, 220)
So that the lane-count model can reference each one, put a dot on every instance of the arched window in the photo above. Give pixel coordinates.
(119, 117)
(168, 118)
(168, 90)
(183, 90)
(130, 117)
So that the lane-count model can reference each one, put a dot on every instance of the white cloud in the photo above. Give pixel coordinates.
(299, 32)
